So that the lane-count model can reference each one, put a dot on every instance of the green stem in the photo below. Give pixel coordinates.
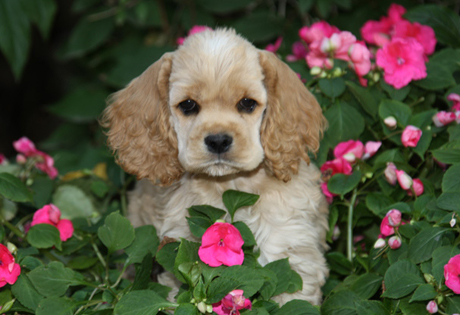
(13, 229)
(99, 255)
(350, 225)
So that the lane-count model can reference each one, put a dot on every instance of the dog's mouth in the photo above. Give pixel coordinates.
(220, 167)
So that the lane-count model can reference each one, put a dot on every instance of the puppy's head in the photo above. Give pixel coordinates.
(217, 106)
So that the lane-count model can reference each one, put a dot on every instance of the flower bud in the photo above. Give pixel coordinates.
(7, 306)
(202, 307)
(380, 243)
(315, 70)
(429, 278)
(453, 222)
(394, 217)
(390, 122)
(410, 136)
(337, 72)
(376, 77)
(432, 307)
(336, 233)
(209, 308)
(21, 159)
(394, 242)
(390, 173)
(404, 180)
(12, 248)
(417, 186)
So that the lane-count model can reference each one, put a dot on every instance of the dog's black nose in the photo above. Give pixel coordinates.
(219, 143)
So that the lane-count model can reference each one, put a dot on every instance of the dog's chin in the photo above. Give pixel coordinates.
(219, 168)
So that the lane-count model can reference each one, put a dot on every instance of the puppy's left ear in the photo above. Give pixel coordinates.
(293, 123)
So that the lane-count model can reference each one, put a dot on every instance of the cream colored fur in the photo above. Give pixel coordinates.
(268, 156)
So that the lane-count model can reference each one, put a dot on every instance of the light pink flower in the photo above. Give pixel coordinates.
(322, 52)
(380, 243)
(50, 214)
(360, 58)
(385, 228)
(404, 180)
(390, 173)
(232, 303)
(370, 148)
(221, 244)
(349, 150)
(25, 146)
(327, 193)
(455, 98)
(317, 31)
(9, 270)
(394, 217)
(443, 118)
(390, 122)
(299, 52)
(410, 136)
(195, 29)
(394, 242)
(274, 47)
(45, 164)
(452, 274)
(432, 307)
(422, 33)
(336, 166)
(402, 61)
(417, 185)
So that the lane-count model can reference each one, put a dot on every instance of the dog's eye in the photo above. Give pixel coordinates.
(247, 105)
(188, 107)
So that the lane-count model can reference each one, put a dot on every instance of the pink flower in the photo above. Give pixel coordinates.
(422, 33)
(336, 166)
(395, 12)
(3, 159)
(455, 98)
(394, 242)
(443, 118)
(452, 274)
(45, 164)
(317, 31)
(21, 159)
(410, 136)
(390, 173)
(390, 122)
(370, 148)
(385, 228)
(322, 52)
(9, 270)
(327, 193)
(25, 146)
(221, 244)
(274, 47)
(394, 217)
(232, 303)
(417, 186)
(360, 58)
(50, 214)
(432, 307)
(349, 150)
(402, 61)
(195, 29)
(404, 180)
(299, 52)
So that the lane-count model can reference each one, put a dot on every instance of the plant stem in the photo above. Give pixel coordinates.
(13, 229)
(99, 255)
(350, 226)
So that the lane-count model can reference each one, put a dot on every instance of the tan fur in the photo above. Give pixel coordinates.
(153, 139)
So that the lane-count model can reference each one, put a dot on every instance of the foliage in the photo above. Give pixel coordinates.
(114, 41)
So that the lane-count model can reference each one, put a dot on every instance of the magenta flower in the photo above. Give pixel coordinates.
(43, 161)
(299, 52)
(25, 146)
(274, 47)
(360, 58)
(394, 217)
(417, 186)
(317, 31)
(322, 52)
(443, 118)
(9, 270)
(3, 159)
(385, 228)
(327, 193)
(402, 61)
(410, 136)
(349, 150)
(452, 274)
(370, 148)
(432, 307)
(422, 33)
(455, 98)
(394, 242)
(50, 214)
(336, 166)
(404, 180)
(232, 303)
(390, 173)
(221, 244)
(195, 29)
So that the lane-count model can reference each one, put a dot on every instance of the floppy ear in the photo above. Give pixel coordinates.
(139, 127)
(293, 124)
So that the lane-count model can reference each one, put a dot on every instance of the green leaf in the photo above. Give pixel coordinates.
(438, 77)
(43, 188)
(423, 120)
(424, 243)
(453, 304)
(14, 35)
(198, 225)
(339, 263)
(246, 233)
(99, 188)
(143, 273)
(26, 293)
(82, 262)
(451, 179)
(282, 270)
(116, 233)
(41, 12)
(449, 153)
(297, 307)
(144, 302)
(187, 253)
(364, 97)
(145, 241)
(81, 105)
(424, 292)
(224, 6)
(378, 203)
(55, 306)
(210, 212)
(54, 279)
(186, 309)
(445, 23)
(270, 281)
(401, 278)
(44, 236)
(423, 144)
(341, 303)
(332, 87)
(398, 110)
(371, 308)
(395, 94)
(73, 202)
(166, 256)
(367, 285)
(341, 117)
(12, 188)
(341, 184)
(441, 257)
(234, 199)
(418, 308)
(88, 35)
(259, 26)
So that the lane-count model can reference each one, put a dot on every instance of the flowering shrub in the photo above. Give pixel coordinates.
(390, 169)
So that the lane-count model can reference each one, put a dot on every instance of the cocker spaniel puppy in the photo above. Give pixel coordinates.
(219, 114)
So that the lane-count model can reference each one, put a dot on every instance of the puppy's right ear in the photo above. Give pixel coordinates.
(139, 128)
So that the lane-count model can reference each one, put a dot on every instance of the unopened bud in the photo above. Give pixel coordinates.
(376, 77)
(315, 70)
(380, 243)
(453, 222)
(429, 278)
(21, 159)
(337, 72)
(394, 217)
(390, 122)
(209, 308)
(12, 248)
(394, 242)
(432, 307)
(7, 306)
(202, 307)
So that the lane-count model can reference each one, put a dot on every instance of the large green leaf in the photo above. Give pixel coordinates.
(26, 293)
(297, 307)
(364, 97)
(423, 293)
(73, 202)
(41, 12)
(12, 188)
(401, 278)
(116, 233)
(341, 184)
(233, 200)
(424, 243)
(341, 303)
(332, 87)
(144, 302)
(438, 77)
(441, 257)
(367, 285)
(451, 179)
(187, 253)
(56, 306)
(398, 110)
(345, 123)
(259, 26)
(44, 236)
(145, 241)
